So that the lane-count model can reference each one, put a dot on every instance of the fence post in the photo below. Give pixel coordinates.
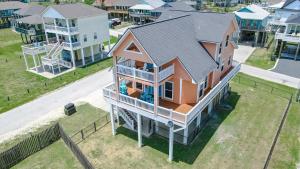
(39, 140)
(239, 79)
(272, 90)
(82, 136)
(95, 126)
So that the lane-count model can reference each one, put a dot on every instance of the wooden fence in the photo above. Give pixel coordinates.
(75, 149)
(29, 146)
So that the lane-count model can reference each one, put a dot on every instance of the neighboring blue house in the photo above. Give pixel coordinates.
(253, 21)
(7, 10)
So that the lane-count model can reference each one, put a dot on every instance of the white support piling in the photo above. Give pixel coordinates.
(139, 121)
(112, 120)
(171, 142)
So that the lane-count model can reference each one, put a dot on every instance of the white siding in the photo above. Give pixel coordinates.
(89, 26)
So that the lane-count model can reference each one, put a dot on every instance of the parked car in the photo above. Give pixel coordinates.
(115, 21)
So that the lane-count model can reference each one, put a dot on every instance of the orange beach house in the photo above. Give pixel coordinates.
(169, 74)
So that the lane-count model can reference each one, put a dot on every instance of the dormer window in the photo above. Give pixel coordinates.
(133, 48)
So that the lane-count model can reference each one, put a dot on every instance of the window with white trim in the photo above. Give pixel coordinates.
(203, 85)
(95, 35)
(220, 48)
(169, 87)
(84, 38)
(227, 40)
(139, 85)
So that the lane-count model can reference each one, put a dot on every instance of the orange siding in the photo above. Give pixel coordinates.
(189, 90)
(121, 52)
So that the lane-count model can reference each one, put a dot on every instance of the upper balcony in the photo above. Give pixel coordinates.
(127, 68)
(288, 34)
(61, 29)
(180, 114)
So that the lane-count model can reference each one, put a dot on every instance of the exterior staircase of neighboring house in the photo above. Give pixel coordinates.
(52, 58)
(129, 118)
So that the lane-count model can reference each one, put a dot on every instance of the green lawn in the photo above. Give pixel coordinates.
(55, 156)
(287, 150)
(240, 138)
(15, 80)
(261, 57)
(214, 8)
(237, 139)
(113, 40)
(51, 156)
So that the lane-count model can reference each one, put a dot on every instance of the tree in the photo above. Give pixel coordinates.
(56, 2)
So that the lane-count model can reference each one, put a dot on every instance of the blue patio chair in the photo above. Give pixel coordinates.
(123, 88)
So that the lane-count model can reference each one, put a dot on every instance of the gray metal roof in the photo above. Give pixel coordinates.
(287, 2)
(12, 5)
(77, 10)
(175, 6)
(208, 26)
(176, 38)
(32, 20)
(293, 19)
(31, 10)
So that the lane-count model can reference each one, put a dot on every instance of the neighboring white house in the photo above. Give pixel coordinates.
(283, 10)
(74, 37)
(142, 13)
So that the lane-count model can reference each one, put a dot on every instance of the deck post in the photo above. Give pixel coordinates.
(156, 126)
(112, 120)
(210, 107)
(82, 57)
(139, 121)
(280, 50)
(34, 61)
(297, 51)
(185, 135)
(171, 141)
(92, 53)
(73, 58)
(101, 50)
(25, 61)
(199, 119)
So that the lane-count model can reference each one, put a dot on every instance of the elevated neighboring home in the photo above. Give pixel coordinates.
(117, 8)
(74, 37)
(169, 75)
(253, 22)
(29, 23)
(142, 13)
(283, 11)
(226, 3)
(288, 38)
(7, 10)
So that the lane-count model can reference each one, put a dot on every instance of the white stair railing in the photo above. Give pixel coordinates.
(126, 118)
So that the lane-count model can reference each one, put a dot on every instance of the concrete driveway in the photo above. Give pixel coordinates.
(288, 67)
(50, 106)
(242, 53)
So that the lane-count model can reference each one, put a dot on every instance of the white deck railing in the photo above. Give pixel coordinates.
(183, 118)
(213, 92)
(61, 28)
(166, 73)
(34, 48)
(142, 74)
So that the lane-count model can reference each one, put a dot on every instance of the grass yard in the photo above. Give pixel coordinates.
(237, 139)
(287, 150)
(51, 156)
(261, 57)
(219, 9)
(57, 155)
(15, 80)
(240, 138)
(113, 40)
